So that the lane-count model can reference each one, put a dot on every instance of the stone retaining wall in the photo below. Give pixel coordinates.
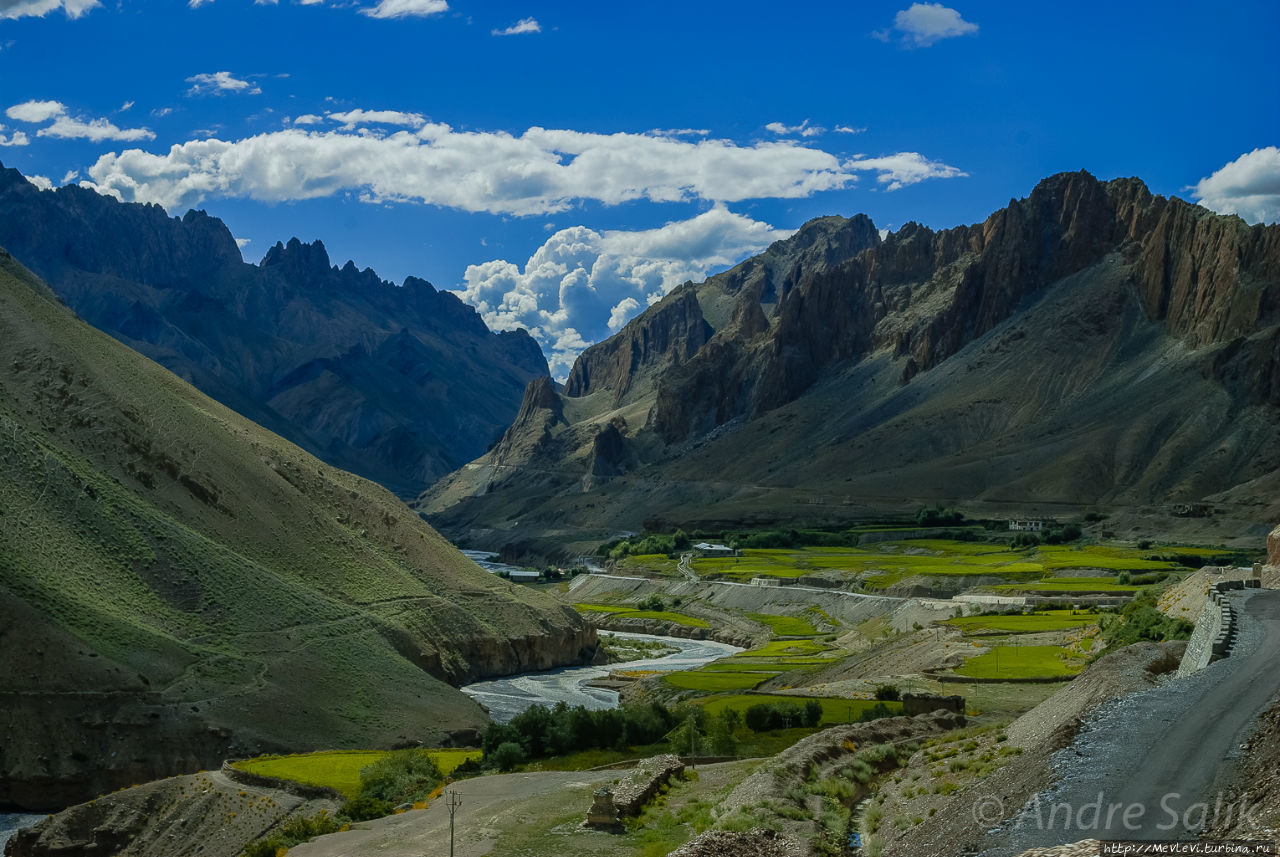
(642, 785)
(1273, 548)
(1215, 629)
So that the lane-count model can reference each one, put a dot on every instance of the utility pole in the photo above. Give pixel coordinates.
(454, 801)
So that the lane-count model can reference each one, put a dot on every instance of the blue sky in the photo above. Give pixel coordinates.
(564, 164)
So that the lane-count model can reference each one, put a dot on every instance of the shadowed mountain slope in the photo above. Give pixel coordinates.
(1090, 344)
(400, 384)
(179, 585)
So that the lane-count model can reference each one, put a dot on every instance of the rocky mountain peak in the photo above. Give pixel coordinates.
(300, 263)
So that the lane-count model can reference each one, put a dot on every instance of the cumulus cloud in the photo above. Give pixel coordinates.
(524, 25)
(538, 172)
(17, 138)
(804, 129)
(41, 182)
(71, 127)
(405, 8)
(351, 118)
(36, 111)
(1248, 186)
(220, 83)
(922, 24)
(581, 285)
(904, 168)
(40, 8)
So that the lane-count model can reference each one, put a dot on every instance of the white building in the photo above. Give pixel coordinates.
(708, 549)
(1026, 525)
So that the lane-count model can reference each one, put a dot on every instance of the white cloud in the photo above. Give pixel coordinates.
(1248, 186)
(196, 4)
(41, 182)
(243, 242)
(845, 129)
(220, 82)
(524, 25)
(351, 118)
(40, 8)
(540, 171)
(679, 132)
(96, 130)
(128, 105)
(804, 129)
(36, 111)
(17, 138)
(71, 127)
(581, 285)
(904, 168)
(405, 8)
(70, 176)
(922, 24)
(308, 119)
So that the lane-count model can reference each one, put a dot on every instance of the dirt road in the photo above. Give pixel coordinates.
(490, 805)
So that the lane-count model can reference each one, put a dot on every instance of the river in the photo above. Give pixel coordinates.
(507, 697)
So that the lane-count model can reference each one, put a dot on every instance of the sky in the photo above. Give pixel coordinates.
(563, 165)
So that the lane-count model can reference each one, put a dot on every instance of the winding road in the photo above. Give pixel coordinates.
(1151, 766)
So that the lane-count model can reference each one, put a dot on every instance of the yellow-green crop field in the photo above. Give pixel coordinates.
(714, 681)
(1014, 662)
(886, 563)
(1050, 620)
(339, 769)
(784, 626)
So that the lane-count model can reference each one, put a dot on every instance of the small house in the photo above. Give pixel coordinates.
(524, 575)
(708, 549)
(1026, 525)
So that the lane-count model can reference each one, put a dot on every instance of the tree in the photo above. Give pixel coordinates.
(812, 713)
(508, 755)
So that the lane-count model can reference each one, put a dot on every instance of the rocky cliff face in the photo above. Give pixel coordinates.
(1273, 548)
(1091, 343)
(400, 384)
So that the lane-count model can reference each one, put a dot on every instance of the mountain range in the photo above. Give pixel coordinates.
(1089, 346)
(400, 384)
(179, 585)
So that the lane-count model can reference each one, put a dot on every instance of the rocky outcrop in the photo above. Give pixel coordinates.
(665, 628)
(400, 384)
(662, 337)
(1273, 548)
(207, 813)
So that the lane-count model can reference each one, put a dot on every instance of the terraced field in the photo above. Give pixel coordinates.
(631, 612)
(339, 769)
(1030, 623)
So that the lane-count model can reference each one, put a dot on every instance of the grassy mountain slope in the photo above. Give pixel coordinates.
(178, 584)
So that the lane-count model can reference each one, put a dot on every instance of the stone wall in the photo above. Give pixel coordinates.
(1273, 548)
(1215, 629)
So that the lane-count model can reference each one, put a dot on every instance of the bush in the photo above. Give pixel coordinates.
(812, 713)
(365, 808)
(653, 602)
(888, 693)
(1140, 620)
(400, 777)
(508, 755)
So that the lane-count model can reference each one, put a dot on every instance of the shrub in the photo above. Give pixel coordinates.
(653, 602)
(400, 777)
(888, 693)
(508, 755)
(364, 808)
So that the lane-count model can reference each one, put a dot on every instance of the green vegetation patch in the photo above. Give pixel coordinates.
(1050, 620)
(834, 710)
(1070, 584)
(714, 681)
(784, 626)
(661, 615)
(339, 769)
(784, 648)
(1022, 662)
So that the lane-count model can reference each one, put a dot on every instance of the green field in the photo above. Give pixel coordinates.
(784, 648)
(662, 615)
(1021, 662)
(833, 710)
(889, 562)
(784, 626)
(714, 681)
(1050, 620)
(339, 769)
(737, 664)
